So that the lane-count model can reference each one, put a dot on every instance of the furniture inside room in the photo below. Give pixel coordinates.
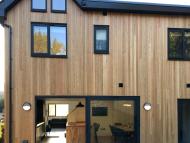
(75, 128)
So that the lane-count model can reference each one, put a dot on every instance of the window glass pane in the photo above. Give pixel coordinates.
(51, 109)
(187, 45)
(58, 5)
(40, 39)
(101, 39)
(176, 45)
(58, 40)
(39, 4)
(62, 109)
(112, 121)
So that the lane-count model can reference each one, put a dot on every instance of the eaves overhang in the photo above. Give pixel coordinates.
(133, 7)
(5, 5)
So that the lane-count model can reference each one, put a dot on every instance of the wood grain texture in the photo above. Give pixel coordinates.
(138, 58)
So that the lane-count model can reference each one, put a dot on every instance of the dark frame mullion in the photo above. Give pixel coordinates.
(59, 11)
(38, 9)
(49, 42)
(101, 27)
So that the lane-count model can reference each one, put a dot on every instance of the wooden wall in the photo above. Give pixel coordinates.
(138, 58)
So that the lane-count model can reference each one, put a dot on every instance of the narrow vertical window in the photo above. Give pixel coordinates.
(51, 110)
(175, 44)
(58, 6)
(39, 5)
(58, 40)
(39, 36)
(187, 44)
(101, 39)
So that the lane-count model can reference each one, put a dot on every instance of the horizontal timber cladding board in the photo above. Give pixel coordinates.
(137, 58)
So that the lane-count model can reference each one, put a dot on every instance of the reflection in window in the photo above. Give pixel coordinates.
(187, 44)
(58, 40)
(49, 40)
(112, 121)
(39, 5)
(40, 39)
(179, 44)
(58, 5)
(175, 48)
(101, 39)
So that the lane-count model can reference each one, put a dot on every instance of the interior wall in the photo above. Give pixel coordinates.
(72, 105)
(116, 114)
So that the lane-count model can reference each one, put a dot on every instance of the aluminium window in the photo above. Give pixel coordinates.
(49, 40)
(178, 44)
(101, 39)
(39, 5)
(58, 6)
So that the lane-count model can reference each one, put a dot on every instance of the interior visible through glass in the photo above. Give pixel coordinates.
(112, 121)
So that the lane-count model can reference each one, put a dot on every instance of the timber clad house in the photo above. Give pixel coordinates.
(96, 71)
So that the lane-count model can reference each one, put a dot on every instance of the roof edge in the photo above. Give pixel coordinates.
(133, 7)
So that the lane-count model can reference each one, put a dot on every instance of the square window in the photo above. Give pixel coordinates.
(101, 39)
(58, 6)
(39, 5)
(179, 44)
(49, 40)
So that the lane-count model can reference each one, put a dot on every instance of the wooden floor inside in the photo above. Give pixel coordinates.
(55, 136)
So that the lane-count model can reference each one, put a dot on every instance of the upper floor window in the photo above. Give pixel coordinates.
(101, 39)
(49, 40)
(58, 6)
(39, 5)
(179, 44)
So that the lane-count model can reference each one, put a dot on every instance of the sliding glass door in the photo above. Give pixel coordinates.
(113, 120)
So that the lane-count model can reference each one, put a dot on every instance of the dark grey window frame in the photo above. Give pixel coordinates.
(183, 30)
(58, 11)
(38, 10)
(47, 55)
(101, 27)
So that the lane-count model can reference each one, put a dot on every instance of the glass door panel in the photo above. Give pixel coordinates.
(112, 121)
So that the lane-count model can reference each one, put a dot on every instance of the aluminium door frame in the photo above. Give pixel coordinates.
(87, 99)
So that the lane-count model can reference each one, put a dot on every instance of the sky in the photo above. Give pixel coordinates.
(175, 2)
